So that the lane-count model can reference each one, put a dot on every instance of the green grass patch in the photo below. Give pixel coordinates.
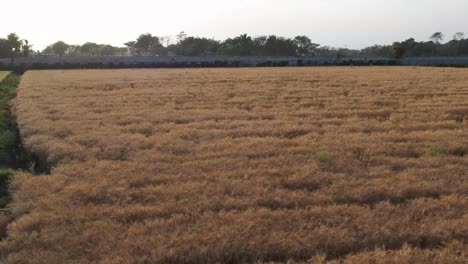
(12, 154)
(437, 150)
(323, 156)
(9, 140)
(3, 74)
(5, 177)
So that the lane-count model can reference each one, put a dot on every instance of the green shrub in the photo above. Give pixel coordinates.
(7, 139)
(5, 176)
(437, 150)
(323, 156)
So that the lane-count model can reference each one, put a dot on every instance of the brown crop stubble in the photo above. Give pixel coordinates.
(234, 165)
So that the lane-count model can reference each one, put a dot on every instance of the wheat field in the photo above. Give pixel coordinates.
(332, 164)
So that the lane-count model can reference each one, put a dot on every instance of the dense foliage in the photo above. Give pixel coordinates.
(10, 152)
(13, 46)
(243, 45)
(61, 48)
(272, 45)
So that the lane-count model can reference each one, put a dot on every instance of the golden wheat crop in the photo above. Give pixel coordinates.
(348, 165)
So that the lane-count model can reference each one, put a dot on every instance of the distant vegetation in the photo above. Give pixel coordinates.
(13, 46)
(243, 45)
(61, 48)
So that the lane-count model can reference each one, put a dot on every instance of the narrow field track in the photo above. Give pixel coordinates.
(350, 165)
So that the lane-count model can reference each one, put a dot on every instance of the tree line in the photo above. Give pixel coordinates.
(13, 46)
(243, 45)
(456, 47)
(61, 48)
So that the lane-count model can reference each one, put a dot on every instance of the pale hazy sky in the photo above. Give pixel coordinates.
(338, 23)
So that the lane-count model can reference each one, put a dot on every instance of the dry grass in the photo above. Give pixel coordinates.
(351, 165)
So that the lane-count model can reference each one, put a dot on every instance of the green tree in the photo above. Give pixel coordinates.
(131, 47)
(90, 49)
(4, 48)
(73, 50)
(304, 46)
(181, 36)
(382, 51)
(25, 48)
(242, 45)
(148, 44)
(397, 50)
(437, 37)
(278, 46)
(459, 36)
(15, 45)
(195, 46)
(59, 48)
(107, 50)
(47, 50)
